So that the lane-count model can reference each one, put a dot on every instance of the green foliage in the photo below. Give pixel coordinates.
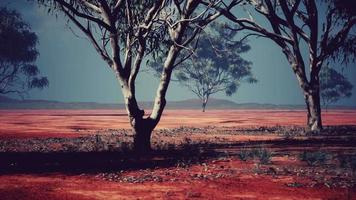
(333, 86)
(343, 14)
(215, 66)
(17, 55)
(157, 37)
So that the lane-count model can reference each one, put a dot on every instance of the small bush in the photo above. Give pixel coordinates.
(243, 154)
(314, 158)
(347, 161)
(264, 156)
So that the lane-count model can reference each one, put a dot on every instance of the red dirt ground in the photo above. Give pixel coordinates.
(238, 179)
(240, 184)
(73, 123)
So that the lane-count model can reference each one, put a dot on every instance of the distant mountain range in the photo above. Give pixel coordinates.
(9, 103)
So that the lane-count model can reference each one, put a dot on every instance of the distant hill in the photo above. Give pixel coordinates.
(4, 99)
(9, 103)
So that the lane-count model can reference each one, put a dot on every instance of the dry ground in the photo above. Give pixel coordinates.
(216, 155)
(63, 123)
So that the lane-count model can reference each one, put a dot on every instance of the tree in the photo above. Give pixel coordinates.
(18, 52)
(333, 86)
(215, 66)
(321, 28)
(132, 30)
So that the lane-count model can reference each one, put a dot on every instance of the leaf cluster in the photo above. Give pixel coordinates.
(333, 85)
(18, 52)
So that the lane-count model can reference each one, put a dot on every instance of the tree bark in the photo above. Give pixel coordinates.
(203, 106)
(142, 137)
(204, 102)
(141, 127)
(312, 100)
(311, 92)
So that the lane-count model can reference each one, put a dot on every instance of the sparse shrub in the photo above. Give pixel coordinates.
(343, 161)
(243, 154)
(314, 158)
(263, 155)
(347, 161)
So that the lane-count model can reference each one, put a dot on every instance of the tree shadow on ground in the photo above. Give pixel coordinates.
(111, 161)
(94, 162)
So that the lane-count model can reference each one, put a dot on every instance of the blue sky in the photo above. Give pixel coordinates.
(77, 73)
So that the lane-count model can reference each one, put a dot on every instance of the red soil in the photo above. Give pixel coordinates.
(73, 123)
(238, 183)
(238, 180)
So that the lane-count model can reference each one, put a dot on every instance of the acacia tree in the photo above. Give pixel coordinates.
(322, 28)
(123, 32)
(18, 52)
(333, 86)
(216, 65)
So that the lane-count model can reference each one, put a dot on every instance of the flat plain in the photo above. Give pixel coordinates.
(219, 154)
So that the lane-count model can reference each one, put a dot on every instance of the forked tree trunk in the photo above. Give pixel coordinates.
(312, 101)
(141, 127)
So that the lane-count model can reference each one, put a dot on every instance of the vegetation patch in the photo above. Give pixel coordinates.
(262, 154)
(314, 158)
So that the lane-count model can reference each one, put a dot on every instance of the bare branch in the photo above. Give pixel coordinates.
(75, 12)
(88, 33)
(91, 6)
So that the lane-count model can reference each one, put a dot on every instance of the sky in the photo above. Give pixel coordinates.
(77, 73)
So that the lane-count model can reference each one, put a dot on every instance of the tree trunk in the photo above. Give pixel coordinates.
(203, 106)
(142, 138)
(141, 127)
(312, 100)
(311, 92)
(204, 102)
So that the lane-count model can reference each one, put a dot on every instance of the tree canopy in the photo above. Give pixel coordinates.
(333, 86)
(18, 72)
(215, 65)
(124, 32)
(310, 33)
